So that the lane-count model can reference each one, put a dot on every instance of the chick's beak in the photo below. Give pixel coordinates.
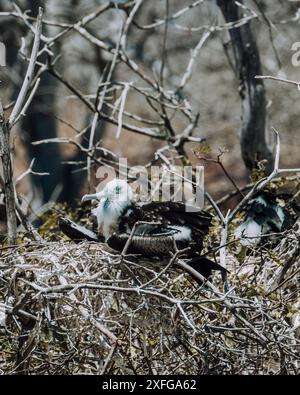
(93, 196)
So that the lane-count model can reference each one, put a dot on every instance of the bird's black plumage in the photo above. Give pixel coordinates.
(158, 224)
(161, 226)
(267, 212)
(152, 229)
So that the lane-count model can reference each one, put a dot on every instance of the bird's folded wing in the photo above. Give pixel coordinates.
(152, 230)
(151, 243)
(178, 213)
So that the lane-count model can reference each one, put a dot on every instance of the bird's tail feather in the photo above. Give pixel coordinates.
(76, 232)
(205, 266)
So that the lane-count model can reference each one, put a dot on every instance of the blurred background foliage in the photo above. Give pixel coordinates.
(212, 90)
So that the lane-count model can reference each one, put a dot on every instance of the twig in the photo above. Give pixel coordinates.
(121, 110)
(29, 171)
(29, 74)
(270, 77)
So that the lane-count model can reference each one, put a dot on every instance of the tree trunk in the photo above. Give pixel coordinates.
(8, 180)
(247, 65)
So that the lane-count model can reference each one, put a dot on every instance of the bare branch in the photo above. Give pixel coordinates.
(29, 74)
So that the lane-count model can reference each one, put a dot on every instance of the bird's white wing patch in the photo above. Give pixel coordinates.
(249, 232)
(2, 318)
(184, 233)
(280, 213)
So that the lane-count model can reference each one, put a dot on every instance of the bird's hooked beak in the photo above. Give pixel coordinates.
(93, 196)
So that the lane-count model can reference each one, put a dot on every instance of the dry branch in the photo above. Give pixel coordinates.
(18, 107)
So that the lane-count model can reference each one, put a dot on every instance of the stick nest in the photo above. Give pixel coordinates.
(70, 308)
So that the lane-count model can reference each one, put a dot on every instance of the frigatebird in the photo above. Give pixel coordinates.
(154, 229)
(267, 213)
